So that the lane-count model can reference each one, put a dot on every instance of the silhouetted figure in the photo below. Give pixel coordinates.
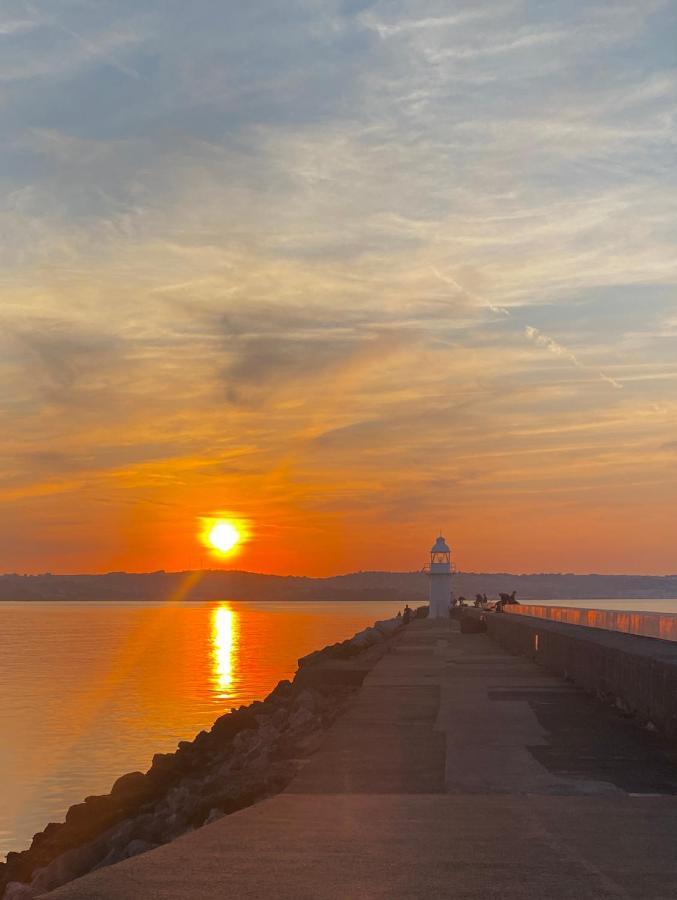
(478, 601)
(462, 601)
(406, 618)
(506, 600)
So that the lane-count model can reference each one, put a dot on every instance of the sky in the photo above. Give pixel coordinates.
(355, 272)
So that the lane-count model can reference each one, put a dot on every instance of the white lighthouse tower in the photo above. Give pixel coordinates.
(440, 579)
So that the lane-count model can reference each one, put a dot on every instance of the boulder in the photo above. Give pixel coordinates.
(214, 814)
(367, 638)
(18, 890)
(134, 848)
(163, 770)
(388, 627)
(86, 820)
(302, 720)
(307, 699)
(227, 727)
(281, 692)
(69, 865)
(133, 789)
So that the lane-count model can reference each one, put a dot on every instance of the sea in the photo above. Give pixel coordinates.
(91, 690)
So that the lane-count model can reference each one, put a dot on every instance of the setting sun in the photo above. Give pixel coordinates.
(223, 536)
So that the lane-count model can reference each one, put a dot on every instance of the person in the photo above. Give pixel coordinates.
(406, 618)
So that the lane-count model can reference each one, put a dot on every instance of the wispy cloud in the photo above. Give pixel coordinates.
(554, 347)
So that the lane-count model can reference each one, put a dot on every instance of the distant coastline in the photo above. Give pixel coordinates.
(368, 586)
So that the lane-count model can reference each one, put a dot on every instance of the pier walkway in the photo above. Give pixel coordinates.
(458, 771)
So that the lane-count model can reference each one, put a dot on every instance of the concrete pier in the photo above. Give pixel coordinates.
(459, 770)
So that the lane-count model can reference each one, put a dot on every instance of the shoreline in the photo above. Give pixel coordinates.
(249, 754)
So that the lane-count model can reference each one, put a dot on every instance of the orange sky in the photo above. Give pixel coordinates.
(382, 274)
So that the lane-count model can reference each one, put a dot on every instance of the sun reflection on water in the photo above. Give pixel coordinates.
(224, 644)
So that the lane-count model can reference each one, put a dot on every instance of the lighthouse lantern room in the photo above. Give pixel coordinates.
(439, 575)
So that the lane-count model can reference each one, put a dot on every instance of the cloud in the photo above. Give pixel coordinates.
(554, 347)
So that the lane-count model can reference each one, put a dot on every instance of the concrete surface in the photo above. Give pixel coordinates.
(640, 672)
(459, 771)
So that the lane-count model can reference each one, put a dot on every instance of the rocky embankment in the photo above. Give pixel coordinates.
(248, 754)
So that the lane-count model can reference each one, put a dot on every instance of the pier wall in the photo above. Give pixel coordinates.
(638, 674)
(649, 624)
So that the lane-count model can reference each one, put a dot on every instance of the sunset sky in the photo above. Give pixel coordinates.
(352, 271)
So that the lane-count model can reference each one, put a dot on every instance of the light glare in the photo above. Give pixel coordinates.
(223, 536)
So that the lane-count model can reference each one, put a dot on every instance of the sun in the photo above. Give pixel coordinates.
(223, 536)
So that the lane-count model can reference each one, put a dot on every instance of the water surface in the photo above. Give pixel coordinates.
(89, 691)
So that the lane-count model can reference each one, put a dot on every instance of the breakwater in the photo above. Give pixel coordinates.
(458, 769)
(249, 754)
(637, 674)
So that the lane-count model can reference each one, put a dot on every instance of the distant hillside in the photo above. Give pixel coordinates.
(404, 586)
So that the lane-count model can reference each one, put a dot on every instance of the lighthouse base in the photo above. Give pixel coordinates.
(440, 595)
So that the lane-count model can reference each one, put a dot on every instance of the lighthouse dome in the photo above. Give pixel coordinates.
(440, 546)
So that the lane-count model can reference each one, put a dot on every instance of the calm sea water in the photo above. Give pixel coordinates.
(89, 691)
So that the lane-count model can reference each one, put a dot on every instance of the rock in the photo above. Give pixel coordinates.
(310, 743)
(303, 718)
(347, 650)
(86, 820)
(242, 742)
(306, 700)
(203, 741)
(146, 827)
(279, 717)
(367, 638)
(163, 770)
(18, 890)
(282, 691)
(232, 724)
(134, 848)
(46, 834)
(69, 865)
(388, 627)
(117, 854)
(214, 814)
(309, 660)
(133, 789)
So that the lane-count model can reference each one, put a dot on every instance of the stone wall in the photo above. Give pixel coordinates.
(637, 674)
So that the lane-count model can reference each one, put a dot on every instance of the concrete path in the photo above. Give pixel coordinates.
(459, 771)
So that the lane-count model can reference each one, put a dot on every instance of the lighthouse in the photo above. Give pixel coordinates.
(439, 574)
